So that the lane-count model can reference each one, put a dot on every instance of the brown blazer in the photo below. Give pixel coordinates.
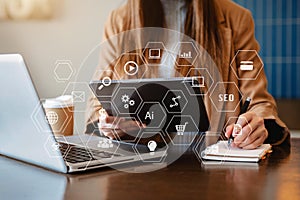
(237, 26)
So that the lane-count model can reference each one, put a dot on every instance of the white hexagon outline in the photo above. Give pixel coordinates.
(166, 129)
(139, 154)
(244, 118)
(153, 102)
(209, 88)
(118, 137)
(186, 101)
(238, 92)
(128, 88)
(63, 62)
(199, 157)
(36, 110)
(65, 142)
(259, 71)
(90, 149)
(116, 83)
(175, 50)
(74, 84)
(162, 60)
(136, 54)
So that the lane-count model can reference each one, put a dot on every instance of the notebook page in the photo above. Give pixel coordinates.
(222, 149)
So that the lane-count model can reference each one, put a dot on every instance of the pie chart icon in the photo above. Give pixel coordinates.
(131, 68)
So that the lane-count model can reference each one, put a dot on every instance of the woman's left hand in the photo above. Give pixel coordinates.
(252, 134)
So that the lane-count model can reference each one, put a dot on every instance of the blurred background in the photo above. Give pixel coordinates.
(67, 30)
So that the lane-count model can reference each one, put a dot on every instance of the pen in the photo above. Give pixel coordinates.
(242, 111)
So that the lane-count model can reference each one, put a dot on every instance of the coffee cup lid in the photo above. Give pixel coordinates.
(59, 102)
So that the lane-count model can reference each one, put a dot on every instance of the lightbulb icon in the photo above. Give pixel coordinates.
(152, 146)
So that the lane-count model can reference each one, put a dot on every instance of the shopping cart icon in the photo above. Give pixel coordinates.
(180, 128)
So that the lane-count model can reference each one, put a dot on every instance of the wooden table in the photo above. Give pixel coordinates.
(277, 177)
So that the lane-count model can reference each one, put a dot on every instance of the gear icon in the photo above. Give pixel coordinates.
(125, 98)
(131, 102)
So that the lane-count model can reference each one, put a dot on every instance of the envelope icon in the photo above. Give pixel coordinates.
(78, 96)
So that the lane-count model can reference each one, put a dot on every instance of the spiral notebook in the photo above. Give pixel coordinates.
(222, 152)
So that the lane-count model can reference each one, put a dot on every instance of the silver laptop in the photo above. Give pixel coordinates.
(21, 140)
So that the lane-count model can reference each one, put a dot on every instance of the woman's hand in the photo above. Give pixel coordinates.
(110, 126)
(252, 134)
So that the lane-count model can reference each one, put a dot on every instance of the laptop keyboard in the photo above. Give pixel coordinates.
(77, 154)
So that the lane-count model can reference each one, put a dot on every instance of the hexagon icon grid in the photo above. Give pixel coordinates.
(187, 53)
(131, 66)
(127, 100)
(175, 101)
(153, 53)
(182, 130)
(200, 79)
(249, 66)
(152, 114)
(145, 153)
(63, 70)
(227, 99)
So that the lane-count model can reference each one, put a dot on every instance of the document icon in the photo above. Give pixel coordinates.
(78, 96)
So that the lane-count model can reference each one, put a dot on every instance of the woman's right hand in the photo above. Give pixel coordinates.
(110, 126)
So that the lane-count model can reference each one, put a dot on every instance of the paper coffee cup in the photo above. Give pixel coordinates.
(60, 115)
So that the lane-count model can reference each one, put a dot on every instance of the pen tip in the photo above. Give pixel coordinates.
(248, 99)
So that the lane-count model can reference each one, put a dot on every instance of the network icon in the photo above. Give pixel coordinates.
(174, 99)
(105, 144)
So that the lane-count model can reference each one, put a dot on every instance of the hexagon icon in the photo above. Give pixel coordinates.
(56, 149)
(131, 66)
(198, 81)
(175, 101)
(59, 119)
(153, 53)
(182, 130)
(127, 100)
(63, 70)
(187, 53)
(152, 114)
(238, 129)
(204, 141)
(248, 64)
(104, 79)
(106, 108)
(225, 101)
(102, 148)
(148, 151)
(134, 131)
(80, 92)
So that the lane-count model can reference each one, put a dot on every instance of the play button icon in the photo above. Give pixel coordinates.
(131, 68)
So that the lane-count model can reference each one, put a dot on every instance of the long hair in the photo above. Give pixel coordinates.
(201, 22)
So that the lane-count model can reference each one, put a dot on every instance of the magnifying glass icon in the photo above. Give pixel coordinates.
(106, 81)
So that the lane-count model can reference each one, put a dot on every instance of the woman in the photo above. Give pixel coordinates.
(222, 28)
